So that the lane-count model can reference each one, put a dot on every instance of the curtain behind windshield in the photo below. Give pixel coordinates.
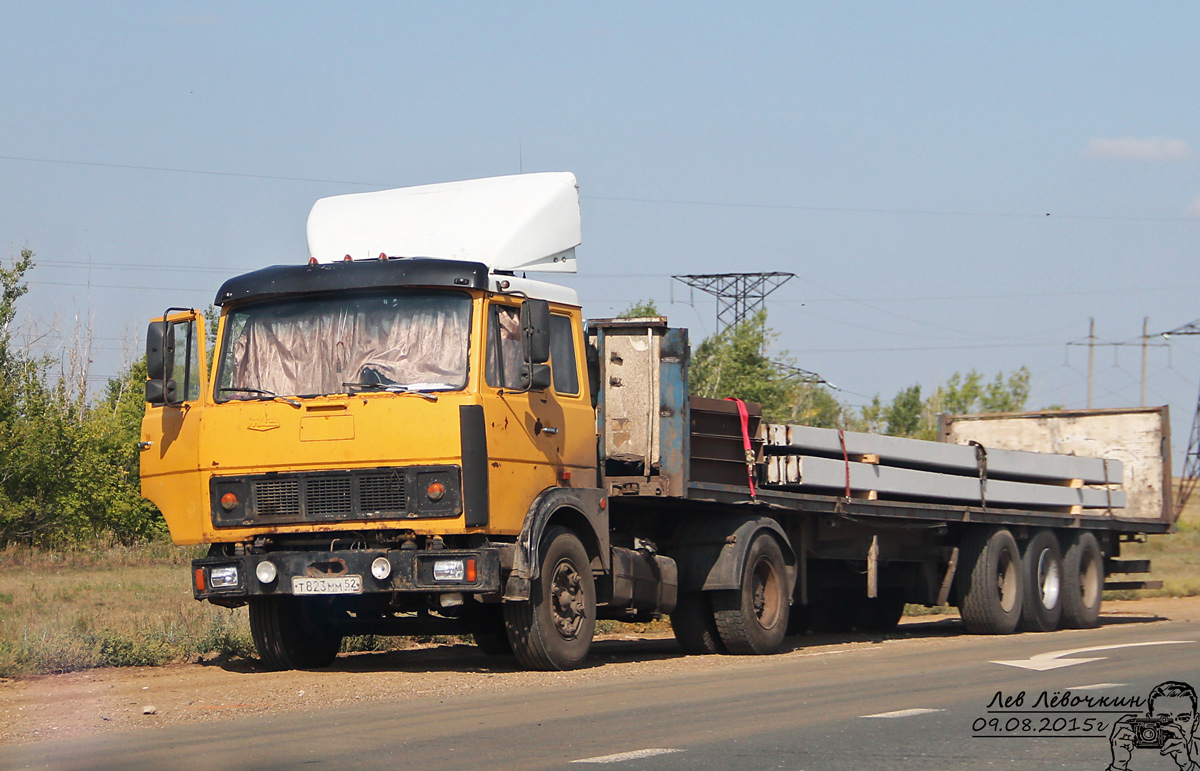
(319, 346)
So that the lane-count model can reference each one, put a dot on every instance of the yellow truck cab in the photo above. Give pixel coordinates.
(374, 435)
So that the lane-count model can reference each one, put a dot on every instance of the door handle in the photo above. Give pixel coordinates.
(549, 430)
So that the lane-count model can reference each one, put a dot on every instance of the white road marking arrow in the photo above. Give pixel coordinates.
(906, 713)
(620, 757)
(1055, 659)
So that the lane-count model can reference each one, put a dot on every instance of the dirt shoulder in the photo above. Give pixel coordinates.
(101, 700)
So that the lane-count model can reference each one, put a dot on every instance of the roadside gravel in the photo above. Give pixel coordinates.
(95, 701)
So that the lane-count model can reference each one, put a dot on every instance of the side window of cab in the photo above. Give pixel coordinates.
(563, 362)
(503, 366)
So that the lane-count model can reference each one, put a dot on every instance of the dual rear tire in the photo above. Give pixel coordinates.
(1038, 588)
(750, 620)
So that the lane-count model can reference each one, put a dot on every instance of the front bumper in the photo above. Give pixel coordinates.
(411, 571)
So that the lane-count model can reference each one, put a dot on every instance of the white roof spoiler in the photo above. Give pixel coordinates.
(526, 222)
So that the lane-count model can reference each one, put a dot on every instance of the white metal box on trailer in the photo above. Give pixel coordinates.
(1138, 437)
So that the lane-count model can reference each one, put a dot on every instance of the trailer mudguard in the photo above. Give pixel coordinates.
(582, 509)
(712, 554)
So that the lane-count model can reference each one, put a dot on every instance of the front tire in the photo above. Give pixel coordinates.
(991, 593)
(754, 618)
(1083, 582)
(553, 631)
(288, 634)
(1043, 567)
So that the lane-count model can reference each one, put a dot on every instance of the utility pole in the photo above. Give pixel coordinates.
(739, 295)
(1145, 322)
(1091, 356)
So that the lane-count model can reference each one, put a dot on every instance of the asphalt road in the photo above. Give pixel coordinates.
(815, 707)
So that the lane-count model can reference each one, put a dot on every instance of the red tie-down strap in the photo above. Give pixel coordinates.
(744, 417)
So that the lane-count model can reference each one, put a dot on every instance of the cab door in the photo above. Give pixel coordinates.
(524, 426)
(170, 439)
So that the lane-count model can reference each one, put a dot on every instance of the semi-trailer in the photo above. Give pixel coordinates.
(405, 435)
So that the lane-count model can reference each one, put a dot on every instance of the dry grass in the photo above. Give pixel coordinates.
(1174, 559)
(107, 606)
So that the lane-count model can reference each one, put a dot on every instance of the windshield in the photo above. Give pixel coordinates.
(332, 345)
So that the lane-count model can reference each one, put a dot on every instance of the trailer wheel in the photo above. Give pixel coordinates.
(991, 594)
(1083, 582)
(1043, 566)
(754, 618)
(553, 630)
(487, 627)
(880, 614)
(693, 624)
(833, 611)
(287, 634)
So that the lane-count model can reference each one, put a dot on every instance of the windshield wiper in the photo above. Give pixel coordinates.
(392, 388)
(270, 394)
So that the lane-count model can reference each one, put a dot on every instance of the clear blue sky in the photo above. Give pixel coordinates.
(901, 159)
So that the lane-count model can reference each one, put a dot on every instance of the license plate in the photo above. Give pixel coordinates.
(327, 585)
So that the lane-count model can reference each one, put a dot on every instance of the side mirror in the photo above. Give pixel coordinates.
(160, 361)
(535, 331)
(535, 377)
(158, 394)
(160, 350)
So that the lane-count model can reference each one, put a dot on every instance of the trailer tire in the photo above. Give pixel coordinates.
(693, 625)
(1042, 563)
(1083, 582)
(833, 612)
(880, 614)
(991, 594)
(754, 618)
(553, 630)
(287, 635)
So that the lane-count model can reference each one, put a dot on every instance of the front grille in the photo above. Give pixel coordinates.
(381, 492)
(277, 497)
(325, 496)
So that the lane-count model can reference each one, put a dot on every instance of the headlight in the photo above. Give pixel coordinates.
(223, 577)
(266, 572)
(381, 568)
(449, 570)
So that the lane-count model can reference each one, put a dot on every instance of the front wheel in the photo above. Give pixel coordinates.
(754, 618)
(288, 634)
(553, 630)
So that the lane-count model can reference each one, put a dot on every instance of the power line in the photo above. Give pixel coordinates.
(634, 199)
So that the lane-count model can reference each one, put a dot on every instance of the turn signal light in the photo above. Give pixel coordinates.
(436, 491)
(470, 571)
(229, 501)
(199, 578)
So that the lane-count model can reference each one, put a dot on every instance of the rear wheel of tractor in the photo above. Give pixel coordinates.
(992, 591)
(487, 627)
(693, 624)
(1043, 567)
(288, 635)
(553, 630)
(754, 618)
(1083, 582)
